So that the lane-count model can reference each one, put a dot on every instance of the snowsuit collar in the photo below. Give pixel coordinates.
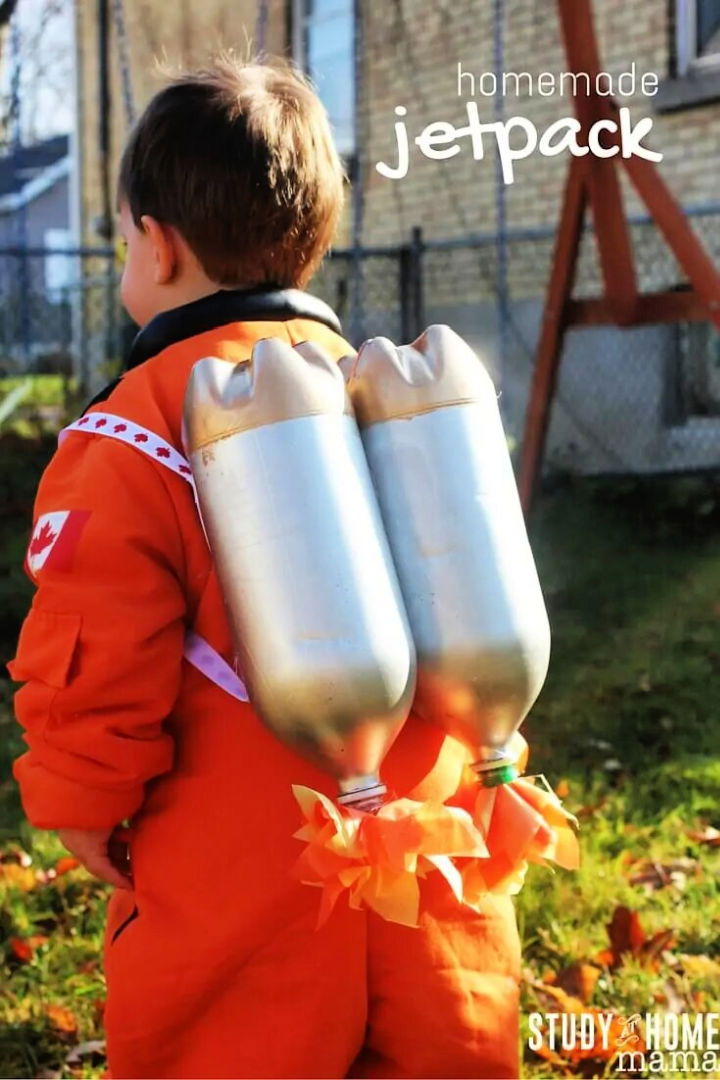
(223, 307)
(261, 304)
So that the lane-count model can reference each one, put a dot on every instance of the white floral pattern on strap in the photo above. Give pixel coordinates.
(117, 427)
(197, 652)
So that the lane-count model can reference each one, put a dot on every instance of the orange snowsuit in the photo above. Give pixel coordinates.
(214, 966)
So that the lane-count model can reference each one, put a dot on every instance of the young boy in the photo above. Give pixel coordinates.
(230, 191)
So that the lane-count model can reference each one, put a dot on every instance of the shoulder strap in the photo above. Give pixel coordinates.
(140, 438)
(197, 651)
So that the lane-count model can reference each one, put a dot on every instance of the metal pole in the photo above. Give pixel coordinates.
(501, 251)
(104, 144)
(261, 27)
(107, 223)
(357, 323)
(21, 223)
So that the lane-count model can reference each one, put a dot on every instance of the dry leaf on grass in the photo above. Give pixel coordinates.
(589, 811)
(66, 863)
(706, 834)
(698, 966)
(19, 877)
(63, 1021)
(23, 949)
(656, 875)
(578, 979)
(627, 938)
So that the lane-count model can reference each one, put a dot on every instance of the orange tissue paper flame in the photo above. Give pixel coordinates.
(378, 858)
(521, 823)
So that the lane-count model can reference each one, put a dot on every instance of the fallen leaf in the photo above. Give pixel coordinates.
(66, 863)
(19, 877)
(557, 996)
(652, 950)
(627, 937)
(21, 950)
(592, 809)
(625, 931)
(64, 1022)
(655, 875)
(554, 1058)
(699, 966)
(706, 835)
(562, 789)
(578, 980)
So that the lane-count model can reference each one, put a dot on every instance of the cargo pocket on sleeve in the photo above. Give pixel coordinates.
(46, 648)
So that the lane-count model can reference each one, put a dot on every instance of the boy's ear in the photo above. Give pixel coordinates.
(164, 248)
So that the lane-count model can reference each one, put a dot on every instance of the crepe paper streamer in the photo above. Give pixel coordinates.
(522, 822)
(378, 858)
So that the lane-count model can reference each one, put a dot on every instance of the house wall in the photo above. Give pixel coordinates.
(158, 34)
(34, 316)
(50, 210)
(609, 414)
(411, 49)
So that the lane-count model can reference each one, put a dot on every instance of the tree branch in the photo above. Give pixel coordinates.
(7, 9)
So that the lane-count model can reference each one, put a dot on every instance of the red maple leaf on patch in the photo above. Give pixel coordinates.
(184, 469)
(141, 438)
(43, 540)
(120, 427)
(162, 452)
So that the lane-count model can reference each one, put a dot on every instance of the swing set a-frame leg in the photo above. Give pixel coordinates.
(554, 325)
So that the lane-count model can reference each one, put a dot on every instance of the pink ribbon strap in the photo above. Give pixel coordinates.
(197, 651)
(210, 663)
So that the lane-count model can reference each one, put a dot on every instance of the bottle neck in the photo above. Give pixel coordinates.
(365, 793)
(498, 767)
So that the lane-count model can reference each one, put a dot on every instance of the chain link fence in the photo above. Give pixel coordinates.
(60, 313)
(638, 400)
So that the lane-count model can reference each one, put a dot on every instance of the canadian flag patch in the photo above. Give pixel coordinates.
(54, 539)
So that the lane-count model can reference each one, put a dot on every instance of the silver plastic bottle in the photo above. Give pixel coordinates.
(298, 543)
(437, 451)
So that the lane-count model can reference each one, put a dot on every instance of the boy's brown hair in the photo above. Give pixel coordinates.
(240, 159)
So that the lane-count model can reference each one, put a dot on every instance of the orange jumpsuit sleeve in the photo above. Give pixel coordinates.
(101, 649)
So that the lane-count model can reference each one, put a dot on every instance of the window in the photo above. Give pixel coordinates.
(698, 35)
(323, 45)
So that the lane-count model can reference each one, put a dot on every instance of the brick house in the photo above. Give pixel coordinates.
(641, 399)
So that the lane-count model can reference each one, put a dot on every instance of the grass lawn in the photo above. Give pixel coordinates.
(34, 405)
(627, 725)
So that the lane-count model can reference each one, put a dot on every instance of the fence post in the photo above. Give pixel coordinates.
(412, 305)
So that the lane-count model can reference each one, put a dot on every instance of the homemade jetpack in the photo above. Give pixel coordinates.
(365, 575)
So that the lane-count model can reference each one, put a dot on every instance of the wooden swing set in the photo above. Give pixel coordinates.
(594, 183)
